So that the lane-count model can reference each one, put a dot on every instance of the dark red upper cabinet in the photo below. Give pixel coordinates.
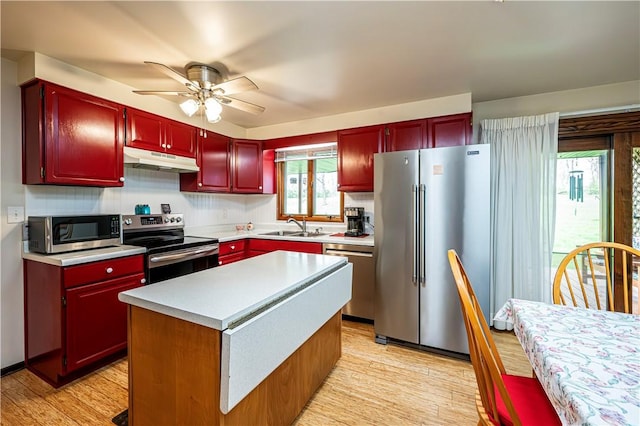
(225, 166)
(213, 158)
(144, 130)
(180, 138)
(247, 166)
(154, 133)
(449, 130)
(406, 135)
(355, 157)
(70, 138)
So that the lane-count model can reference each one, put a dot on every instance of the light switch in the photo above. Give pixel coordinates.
(15, 214)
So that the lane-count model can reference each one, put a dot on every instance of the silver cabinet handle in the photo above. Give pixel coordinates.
(330, 252)
(109, 270)
(233, 247)
(208, 249)
(122, 179)
(143, 281)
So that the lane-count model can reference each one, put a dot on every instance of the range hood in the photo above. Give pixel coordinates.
(141, 158)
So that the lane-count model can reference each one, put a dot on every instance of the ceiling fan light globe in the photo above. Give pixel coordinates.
(213, 120)
(212, 109)
(189, 107)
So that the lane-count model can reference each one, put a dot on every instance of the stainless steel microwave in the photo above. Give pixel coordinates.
(57, 234)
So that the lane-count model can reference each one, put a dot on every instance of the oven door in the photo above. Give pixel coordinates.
(175, 263)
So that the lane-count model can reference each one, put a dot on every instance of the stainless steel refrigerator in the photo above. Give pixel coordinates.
(425, 203)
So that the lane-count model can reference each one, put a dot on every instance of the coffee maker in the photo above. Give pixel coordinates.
(355, 221)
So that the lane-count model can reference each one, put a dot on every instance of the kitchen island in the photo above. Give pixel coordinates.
(247, 343)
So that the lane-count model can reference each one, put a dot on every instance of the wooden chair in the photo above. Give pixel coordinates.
(502, 399)
(589, 283)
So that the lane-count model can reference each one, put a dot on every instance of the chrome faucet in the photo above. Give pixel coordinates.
(303, 226)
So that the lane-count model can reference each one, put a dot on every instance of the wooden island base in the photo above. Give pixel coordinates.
(174, 374)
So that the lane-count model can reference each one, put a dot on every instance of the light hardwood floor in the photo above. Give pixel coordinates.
(371, 384)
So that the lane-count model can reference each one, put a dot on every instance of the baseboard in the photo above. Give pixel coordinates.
(357, 319)
(11, 369)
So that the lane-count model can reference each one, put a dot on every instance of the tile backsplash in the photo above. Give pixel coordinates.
(155, 188)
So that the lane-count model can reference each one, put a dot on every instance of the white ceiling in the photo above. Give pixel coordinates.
(313, 59)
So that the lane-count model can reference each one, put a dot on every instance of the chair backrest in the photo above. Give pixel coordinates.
(459, 273)
(584, 277)
(484, 354)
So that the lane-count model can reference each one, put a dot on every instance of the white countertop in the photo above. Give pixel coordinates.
(93, 255)
(84, 256)
(222, 296)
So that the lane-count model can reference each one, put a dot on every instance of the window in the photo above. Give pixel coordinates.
(582, 200)
(308, 183)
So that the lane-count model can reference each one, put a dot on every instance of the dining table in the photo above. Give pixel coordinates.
(587, 361)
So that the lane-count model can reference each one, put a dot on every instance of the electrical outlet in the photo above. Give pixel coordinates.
(15, 214)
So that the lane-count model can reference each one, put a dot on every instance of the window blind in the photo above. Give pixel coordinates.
(307, 152)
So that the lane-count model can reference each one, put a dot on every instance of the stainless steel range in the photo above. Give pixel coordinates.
(170, 253)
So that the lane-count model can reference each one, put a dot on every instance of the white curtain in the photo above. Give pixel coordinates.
(523, 174)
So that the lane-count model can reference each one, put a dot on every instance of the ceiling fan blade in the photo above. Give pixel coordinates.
(170, 72)
(237, 85)
(241, 105)
(161, 93)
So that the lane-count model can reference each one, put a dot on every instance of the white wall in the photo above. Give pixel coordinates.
(12, 194)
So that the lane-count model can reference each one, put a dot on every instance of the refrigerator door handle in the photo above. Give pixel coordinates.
(422, 240)
(415, 219)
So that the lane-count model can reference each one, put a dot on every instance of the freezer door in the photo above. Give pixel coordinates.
(395, 216)
(455, 214)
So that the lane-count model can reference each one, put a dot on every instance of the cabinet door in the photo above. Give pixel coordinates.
(214, 155)
(247, 166)
(180, 139)
(96, 321)
(406, 135)
(83, 139)
(449, 130)
(144, 130)
(355, 157)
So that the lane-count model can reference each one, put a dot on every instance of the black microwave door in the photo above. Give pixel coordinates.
(84, 228)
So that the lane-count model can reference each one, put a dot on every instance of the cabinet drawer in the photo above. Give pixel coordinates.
(273, 245)
(232, 247)
(103, 270)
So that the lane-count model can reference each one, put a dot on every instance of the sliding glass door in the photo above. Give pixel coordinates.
(582, 200)
(615, 215)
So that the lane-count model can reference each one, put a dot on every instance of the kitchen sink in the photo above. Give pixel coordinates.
(294, 233)
(307, 234)
(282, 233)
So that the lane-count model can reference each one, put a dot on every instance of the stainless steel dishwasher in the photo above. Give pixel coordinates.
(364, 279)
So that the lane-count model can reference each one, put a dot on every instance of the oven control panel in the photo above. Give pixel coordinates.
(152, 221)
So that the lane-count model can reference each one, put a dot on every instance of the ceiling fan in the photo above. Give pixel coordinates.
(205, 87)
